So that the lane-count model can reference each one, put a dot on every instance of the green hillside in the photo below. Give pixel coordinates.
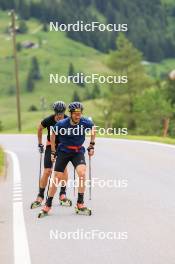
(55, 52)
(54, 55)
(150, 23)
(169, 2)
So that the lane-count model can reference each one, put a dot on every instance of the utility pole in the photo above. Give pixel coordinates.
(13, 17)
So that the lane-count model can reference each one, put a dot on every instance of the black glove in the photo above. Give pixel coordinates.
(89, 148)
(41, 148)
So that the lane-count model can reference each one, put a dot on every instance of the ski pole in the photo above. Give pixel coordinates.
(40, 165)
(90, 179)
(48, 187)
(74, 181)
(49, 180)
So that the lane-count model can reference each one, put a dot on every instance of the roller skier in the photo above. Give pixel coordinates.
(59, 109)
(70, 148)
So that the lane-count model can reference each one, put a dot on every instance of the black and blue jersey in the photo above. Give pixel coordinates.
(71, 136)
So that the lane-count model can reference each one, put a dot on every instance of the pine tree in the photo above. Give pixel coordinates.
(35, 70)
(153, 112)
(33, 75)
(82, 82)
(170, 90)
(45, 27)
(30, 83)
(96, 91)
(126, 61)
(76, 97)
(71, 70)
(23, 8)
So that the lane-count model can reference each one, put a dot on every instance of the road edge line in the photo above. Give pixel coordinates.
(20, 241)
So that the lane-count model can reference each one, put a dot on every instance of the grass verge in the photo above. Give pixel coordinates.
(165, 140)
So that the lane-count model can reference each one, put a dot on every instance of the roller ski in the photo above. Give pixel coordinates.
(36, 203)
(82, 210)
(44, 211)
(64, 201)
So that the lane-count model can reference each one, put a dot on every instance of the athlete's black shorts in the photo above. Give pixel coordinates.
(47, 158)
(63, 159)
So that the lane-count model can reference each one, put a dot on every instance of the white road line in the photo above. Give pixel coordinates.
(17, 191)
(17, 200)
(17, 195)
(20, 242)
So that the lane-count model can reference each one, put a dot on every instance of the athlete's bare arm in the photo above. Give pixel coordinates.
(52, 140)
(93, 134)
(40, 133)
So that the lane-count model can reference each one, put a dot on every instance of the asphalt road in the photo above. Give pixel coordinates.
(139, 210)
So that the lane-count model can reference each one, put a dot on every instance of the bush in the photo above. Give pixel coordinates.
(33, 108)
(45, 27)
(18, 46)
(23, 27)
(11, 90)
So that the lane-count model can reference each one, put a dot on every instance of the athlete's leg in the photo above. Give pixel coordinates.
(55, 180)
(60, 174)
(44, 179)
(64, 182)
(81, 172)
(47, 171)
(80, 165)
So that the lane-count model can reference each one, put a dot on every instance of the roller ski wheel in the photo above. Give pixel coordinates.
(64, 201)
(80, 209)
(36, 203)
(44, 212)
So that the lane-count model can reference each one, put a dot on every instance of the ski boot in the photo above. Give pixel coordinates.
(82, 210)
(64, 201)
(44, 211)
(37, 203)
